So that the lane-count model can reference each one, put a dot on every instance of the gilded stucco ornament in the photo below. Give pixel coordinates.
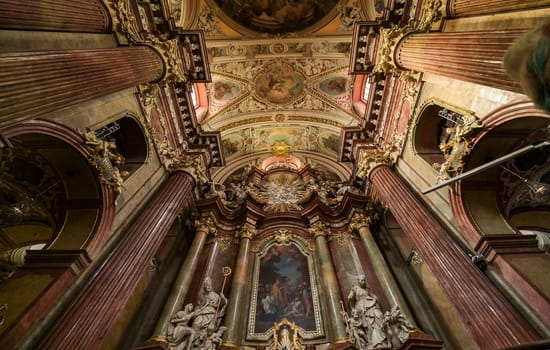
(208, 21)
(385, 62)
(373, 157)
(433, 12)
(206, 225)
(359, 220)
(281, 192)
(342, 238)
(124, 21)
(285, 336)
(170, 52)
(175, 9)
(106, 160)
(318, 228)
(194, 164)
(457, 147)
(248, 231)
(389, 37)
(283, 236)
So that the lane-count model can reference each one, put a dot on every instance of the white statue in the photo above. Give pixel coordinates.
(198, 327)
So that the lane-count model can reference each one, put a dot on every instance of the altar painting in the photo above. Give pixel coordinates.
(284, 287)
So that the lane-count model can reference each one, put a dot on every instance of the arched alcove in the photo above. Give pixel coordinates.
(51, 196)
(130, 142)
(503, 199)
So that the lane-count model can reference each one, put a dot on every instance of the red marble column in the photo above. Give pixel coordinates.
(85, 16)
(38, 82)
(88, 319)
(475, 57)
(464, 8)
(492, 320)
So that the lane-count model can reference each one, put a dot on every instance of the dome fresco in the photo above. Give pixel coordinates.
(276, 16)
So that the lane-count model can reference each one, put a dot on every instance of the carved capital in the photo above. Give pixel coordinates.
(247, 231)
(342, 238)
(207, 226)
(193, 164)
(389, 38)
(319, 229)
(370, 158)
(359, 220)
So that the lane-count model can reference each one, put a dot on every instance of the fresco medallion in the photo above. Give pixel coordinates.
(279, 84)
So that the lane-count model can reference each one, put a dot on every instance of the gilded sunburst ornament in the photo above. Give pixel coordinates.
(281, 192)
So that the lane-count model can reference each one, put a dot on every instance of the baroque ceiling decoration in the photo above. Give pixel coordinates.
(273, 81)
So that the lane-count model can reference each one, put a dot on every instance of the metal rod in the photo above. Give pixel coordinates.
(486, 166)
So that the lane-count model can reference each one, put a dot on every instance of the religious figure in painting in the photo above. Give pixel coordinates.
(279, 84)
(284, 289)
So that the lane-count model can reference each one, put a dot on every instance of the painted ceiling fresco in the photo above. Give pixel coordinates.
(276, 16)
(270, 87)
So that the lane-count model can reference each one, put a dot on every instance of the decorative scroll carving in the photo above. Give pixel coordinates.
(432, 15)
(283, 236)
(359, 220)
(173, 57)
(285, 336)
(368, 327)
(389, 37)
(208, 21)
(457, 147)
(125, 21)
(342, 238)
(198, 327)
(349, 14)
(105, 159)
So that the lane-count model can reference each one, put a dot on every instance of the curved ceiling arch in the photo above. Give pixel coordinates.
(316, 160)
(253, 17)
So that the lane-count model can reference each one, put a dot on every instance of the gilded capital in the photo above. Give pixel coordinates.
(359, 220)
(319, 229)
(248, 231)
(389, 38)
(193, 164)
(206, 225)
(370, 158)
